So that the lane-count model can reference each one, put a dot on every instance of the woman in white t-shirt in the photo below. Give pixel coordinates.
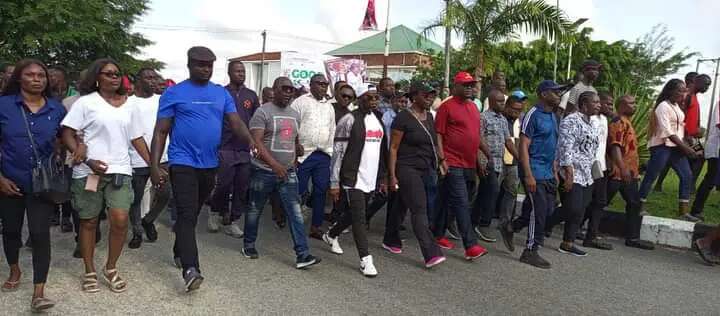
(102, 170)
(666, 132)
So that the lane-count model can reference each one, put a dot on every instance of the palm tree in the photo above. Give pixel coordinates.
(483, 22)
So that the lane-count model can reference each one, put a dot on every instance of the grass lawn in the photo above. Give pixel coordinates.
(665, 204)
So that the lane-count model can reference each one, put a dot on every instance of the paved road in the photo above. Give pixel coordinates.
(625, 281)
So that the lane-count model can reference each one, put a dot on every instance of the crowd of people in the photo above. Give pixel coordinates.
(456, 165)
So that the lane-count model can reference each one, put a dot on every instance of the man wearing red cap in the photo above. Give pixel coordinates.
(458, 131)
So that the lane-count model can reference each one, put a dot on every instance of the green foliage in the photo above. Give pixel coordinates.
(73, 33)
(482, 23)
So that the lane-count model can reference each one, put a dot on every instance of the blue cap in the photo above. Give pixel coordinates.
(518, 94)
(546, 85)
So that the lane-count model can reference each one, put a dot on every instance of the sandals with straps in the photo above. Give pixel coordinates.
(40, 304)
(10, 286)
(115, 283)
(90, 283)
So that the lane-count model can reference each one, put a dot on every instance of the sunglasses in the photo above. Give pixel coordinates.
(324, 84)
(287, 89)
(111, 74)
(347, 96)
(468, 85)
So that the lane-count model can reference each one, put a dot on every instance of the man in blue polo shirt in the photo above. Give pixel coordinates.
(192, 112)
(538, 142)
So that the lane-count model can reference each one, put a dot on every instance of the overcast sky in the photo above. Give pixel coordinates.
(322, 25)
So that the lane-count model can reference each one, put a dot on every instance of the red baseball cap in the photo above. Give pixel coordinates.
(464, 77)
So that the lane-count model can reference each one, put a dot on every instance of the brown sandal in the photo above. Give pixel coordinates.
(10, 286)
(39, 304)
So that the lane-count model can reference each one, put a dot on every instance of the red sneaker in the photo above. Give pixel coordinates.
(444, 243)
(473, 252)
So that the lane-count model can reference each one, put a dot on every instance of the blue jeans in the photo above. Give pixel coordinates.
(456, 189)
(660, 156)
(262, 185)
(317, 167)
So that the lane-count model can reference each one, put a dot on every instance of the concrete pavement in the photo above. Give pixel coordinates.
(624, 281)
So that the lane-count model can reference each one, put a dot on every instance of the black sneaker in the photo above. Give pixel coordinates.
(135, 242)
(28, 243)
(485, 234)
(640, 244)
(177, 262)
(452, 231)
(597, 244)
(150, 231)
(507, 235)
(66, 226)
(193, 279)
(250, 253)
(306, 262)
(77, 253)
(532, 257)
(572, 250)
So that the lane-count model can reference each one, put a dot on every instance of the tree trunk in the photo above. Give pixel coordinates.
(480, 69)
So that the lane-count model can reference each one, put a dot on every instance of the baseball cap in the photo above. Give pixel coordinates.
(463, 78)
(518, 94)
(420, 86)
(365, 88)
(591, 63)
(200, 53)
(546, 85)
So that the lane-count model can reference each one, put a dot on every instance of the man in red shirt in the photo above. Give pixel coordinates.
(458, 132)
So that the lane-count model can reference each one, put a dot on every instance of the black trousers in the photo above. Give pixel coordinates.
(706, 186)
(354, 202)
(191, 187)
(160, 200)
(574, 204)
(39, 213)
(598, 202)
(411, 195)
(629, 192)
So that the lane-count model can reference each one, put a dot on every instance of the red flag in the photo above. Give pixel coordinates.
(369, 22)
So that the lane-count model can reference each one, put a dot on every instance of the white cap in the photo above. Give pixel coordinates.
(364, 88)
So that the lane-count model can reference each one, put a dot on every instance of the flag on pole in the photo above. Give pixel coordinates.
(369, 22)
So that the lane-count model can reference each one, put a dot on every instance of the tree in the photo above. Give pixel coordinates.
(484, 22)
(73, 33)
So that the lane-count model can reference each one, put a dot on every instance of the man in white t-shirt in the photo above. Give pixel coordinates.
(599, 195)
(145, 104)
(358, 167)
(590, 72)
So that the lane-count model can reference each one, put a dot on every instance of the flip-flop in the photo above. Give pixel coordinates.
(39, 304)
(10, 286)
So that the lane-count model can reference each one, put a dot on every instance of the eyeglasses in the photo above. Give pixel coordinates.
(111, 74)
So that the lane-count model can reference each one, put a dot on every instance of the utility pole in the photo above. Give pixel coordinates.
(262, 61)
(557, 43)
(387, 42)
(448, 34)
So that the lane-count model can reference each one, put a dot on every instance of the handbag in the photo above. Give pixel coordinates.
(49, 181)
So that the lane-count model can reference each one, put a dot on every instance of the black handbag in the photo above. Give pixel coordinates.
(49, 181)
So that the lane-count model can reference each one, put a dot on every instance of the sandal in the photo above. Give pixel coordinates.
(39, 304)
(90, 283)
(115, 283)
(10, 286)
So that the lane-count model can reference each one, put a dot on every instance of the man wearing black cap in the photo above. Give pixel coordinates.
(538, 142)
(590, 70)
(192, 113)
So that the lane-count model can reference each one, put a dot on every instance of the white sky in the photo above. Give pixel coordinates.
(237, 25)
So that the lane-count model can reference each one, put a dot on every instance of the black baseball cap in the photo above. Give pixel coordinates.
(200, 53)
(420, 86)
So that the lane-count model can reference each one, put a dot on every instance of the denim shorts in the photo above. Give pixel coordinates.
(89, 204)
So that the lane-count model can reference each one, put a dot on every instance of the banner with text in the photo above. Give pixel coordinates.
(300, 67)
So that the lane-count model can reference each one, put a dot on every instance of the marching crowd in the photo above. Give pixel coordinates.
(455, 165)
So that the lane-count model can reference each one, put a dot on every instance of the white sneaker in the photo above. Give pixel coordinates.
(367, 267)
(233, 230)
(333, 243)
(214, 221)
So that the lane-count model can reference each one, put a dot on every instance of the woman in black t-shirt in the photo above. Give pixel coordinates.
(413, 157)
